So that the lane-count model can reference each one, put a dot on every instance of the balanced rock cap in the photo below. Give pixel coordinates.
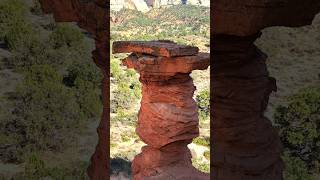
(161, 48)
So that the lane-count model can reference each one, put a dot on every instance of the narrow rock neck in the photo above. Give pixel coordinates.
(168, 112)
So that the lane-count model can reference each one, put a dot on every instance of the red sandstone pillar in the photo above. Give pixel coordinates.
(245, 145)
(168, 117)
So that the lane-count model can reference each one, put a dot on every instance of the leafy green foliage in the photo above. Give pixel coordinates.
(85, 79)
(128, 88)
(65, 35)
(58, 94)
(299, 124)
(44, 115)
(207, 155)
(201, 166)
(296, 169)
(203, 101)
(36, 8)
(18, 34)
(36, 169)
(125, 117)
(172, 23)
(204, 141)
(45, 111)
(125, 96)
(11, 13)
(65, 42)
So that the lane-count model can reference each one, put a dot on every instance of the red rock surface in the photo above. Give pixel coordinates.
(92, 16)
(162, 48)
(153, 68)
(247, 17)
(245, 144)
(168, 116)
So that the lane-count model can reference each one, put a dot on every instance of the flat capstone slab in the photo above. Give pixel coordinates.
(161, 48)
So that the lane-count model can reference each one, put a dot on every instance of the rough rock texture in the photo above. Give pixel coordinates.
(155, 48)
(247, 17)
(245, 145)
(168, 117)
(244, 142)
(92, 16)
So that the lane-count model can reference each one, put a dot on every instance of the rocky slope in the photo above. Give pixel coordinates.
(146, 5)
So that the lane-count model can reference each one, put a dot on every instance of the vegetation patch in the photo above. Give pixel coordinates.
(299, 124)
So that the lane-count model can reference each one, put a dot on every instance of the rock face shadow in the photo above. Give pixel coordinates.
(120, 168)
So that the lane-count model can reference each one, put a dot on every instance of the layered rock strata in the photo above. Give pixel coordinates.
(245, 145)
(93, 16)
(168, 117)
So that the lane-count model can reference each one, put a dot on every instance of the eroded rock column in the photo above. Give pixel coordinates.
(245, 144)
(168, 117)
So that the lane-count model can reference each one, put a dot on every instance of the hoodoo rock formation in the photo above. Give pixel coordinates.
(93, 16)
(245, 145)
(168, 117)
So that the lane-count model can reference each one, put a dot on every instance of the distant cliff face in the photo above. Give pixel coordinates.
(146, 5)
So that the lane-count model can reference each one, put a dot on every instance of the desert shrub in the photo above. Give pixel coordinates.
(36, 169)
(36, 8)
(43, 116)
(194, 17)
(66, 35)
(176, 21)
(143, 21)
(299, 124)
(35, 53)
(186, 13)
(15, 30)
(21, 34)
(11, 12)
(128, 88)
(70, 41)
(295, 168)
(206, 154)
(116, 71)
(65, 45)
(124, 97)
(125, 117)
(203, 101)
(23, 39)
(204, 141)
(85, 79)
(201, 166)
(84, 70)
(88, 98)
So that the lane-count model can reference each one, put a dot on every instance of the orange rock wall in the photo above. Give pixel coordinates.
(168, 115)
(244, 142)
(245, 145)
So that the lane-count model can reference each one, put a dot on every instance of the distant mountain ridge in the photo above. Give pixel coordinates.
(146, 5)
